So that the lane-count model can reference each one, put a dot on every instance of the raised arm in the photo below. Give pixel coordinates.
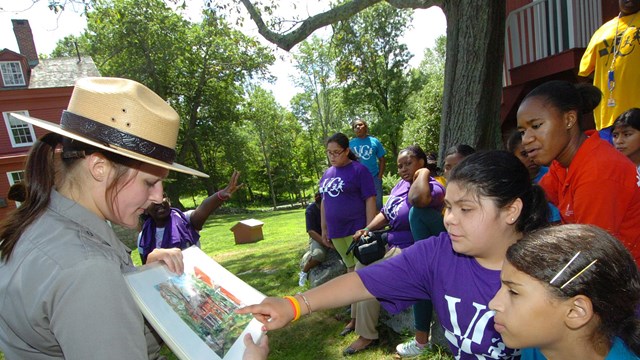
(210, 204)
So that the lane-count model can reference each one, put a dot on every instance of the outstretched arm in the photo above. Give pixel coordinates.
(210, 204)
(276, 313)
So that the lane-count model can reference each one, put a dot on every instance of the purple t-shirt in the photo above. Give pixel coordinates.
(344, 193)
(458, 286)
(396, 211)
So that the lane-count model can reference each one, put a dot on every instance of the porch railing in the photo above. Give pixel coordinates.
(545, 28)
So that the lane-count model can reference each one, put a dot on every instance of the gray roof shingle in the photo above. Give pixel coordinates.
(61, 72)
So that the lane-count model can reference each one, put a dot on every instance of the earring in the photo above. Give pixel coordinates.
(513, 220)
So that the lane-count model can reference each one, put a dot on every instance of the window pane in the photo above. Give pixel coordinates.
(17, 176)
(20, 131)
(12, 73)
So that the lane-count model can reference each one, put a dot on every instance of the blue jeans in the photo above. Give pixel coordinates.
(425, 222)
(378, 184)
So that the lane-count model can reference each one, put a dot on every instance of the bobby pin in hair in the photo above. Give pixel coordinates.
(564, 268)
(578, 274)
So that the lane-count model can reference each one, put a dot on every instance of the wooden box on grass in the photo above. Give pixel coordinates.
(247, 231)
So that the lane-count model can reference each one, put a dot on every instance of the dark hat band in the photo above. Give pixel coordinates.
(108, 136)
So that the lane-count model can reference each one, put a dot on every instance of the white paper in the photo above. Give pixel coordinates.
(163, 297)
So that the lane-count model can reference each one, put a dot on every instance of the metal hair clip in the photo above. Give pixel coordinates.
(576, 275)
(564, 268)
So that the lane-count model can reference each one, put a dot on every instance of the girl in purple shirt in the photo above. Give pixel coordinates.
(348, 202)
(395, 213)
(489, 204)
(348, 197)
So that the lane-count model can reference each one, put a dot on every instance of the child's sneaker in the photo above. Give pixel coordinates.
(302, 278)
(410, 349)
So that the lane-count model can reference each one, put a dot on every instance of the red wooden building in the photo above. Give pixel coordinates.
(37, 87)
(545, 40)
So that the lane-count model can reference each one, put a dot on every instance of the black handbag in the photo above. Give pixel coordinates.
(370, 247)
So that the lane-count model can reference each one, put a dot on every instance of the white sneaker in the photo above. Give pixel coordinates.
(302, 278)
(410, 348)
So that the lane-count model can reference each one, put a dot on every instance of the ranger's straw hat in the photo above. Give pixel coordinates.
(121, 116)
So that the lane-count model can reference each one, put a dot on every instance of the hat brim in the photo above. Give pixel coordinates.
(49, 126)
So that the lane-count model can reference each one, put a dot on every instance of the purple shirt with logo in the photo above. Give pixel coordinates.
(458, 286)
(344, 193)
(396, 211)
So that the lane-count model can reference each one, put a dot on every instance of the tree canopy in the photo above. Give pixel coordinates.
(207, 70)
(475, 43)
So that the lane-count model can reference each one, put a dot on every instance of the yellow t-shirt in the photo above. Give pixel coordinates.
(597, 58)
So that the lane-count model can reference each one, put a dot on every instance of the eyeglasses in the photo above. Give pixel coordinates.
(358, 126)
(335, 153)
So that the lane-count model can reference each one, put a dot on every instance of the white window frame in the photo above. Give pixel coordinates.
(28, 127)
(12, 74)
(12, 180)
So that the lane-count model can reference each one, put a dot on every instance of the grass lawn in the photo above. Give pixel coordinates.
(271, 266)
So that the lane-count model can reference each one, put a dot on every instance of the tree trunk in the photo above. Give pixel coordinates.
(267, 166)
(473, 74)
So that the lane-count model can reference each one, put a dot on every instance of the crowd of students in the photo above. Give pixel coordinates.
(539, 257)
(480, 247)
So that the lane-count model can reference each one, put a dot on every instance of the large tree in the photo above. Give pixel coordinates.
(473, 71)
(424, 108)
(273, 133)
(315, 61)
(373, 66)
(201, 68)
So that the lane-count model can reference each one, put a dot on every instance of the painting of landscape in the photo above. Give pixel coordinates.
(206, 308)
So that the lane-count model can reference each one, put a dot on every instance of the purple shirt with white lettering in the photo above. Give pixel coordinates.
(344, 192)
(458, 286)
(396, 211)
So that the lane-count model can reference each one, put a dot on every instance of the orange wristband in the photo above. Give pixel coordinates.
(296, 307)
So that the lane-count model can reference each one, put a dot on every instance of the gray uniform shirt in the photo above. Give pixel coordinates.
(62, 293)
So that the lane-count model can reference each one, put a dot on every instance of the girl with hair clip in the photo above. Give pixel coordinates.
(62, 293)
(489, 204)
(348, 202)
(588, 180)
(569, 292)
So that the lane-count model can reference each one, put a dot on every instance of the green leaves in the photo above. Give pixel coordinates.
(424, 108)
(374, 67)
(201, 68)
